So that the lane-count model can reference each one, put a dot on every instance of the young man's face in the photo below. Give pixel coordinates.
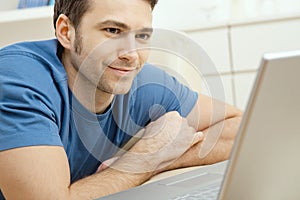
(105, 49)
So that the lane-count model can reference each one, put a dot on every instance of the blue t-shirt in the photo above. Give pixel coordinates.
(37, 107)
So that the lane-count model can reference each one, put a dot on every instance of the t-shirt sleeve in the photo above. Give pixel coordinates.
(156, 93)
(28, 115)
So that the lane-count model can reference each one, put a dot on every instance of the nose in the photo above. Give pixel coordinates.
(128, 52)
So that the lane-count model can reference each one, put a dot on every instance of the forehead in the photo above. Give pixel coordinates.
(134, 13)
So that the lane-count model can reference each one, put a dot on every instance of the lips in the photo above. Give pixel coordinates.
(121, 71)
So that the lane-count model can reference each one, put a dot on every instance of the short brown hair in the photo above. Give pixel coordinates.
(75, 9)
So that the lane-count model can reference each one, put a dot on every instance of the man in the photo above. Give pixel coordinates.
(68, 105)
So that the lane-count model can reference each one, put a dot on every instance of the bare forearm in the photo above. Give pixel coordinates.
(223, 146)
(104, 183)
(220, 150)
(28, 175)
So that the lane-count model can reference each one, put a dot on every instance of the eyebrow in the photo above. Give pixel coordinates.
(122, 25)
(113, 23)
(148, 30)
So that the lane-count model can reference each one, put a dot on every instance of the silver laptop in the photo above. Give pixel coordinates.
(265, 161)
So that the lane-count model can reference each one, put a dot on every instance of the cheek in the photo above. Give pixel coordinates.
(87, 65)
(76, 60)
(144, 54)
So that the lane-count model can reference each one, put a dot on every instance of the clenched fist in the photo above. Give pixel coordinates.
(162, 142)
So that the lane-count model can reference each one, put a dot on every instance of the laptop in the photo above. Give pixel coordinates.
(265, 160)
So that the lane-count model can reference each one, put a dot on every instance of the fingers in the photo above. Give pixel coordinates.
(163, 142)
(171, 123)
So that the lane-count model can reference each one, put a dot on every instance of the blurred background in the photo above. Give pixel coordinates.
(234, 33)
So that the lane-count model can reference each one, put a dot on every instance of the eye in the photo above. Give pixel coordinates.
(143, 36)
(114, 31)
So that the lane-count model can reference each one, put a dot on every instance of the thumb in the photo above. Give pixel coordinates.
(107, 163)
(198, 136)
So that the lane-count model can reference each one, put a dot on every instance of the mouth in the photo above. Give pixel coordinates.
(121, 71)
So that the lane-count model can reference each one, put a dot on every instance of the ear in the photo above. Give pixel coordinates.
(64, 31)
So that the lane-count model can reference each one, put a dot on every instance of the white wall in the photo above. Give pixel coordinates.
(235, 34)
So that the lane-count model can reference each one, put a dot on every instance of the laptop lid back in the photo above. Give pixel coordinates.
(265, 163)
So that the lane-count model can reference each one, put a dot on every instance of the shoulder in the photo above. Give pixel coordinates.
(30, 70)
(34, 48)
(32, 57)
(153, 75)
(155, 87)
(153, 72)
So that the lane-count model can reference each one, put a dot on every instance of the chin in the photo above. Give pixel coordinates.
(119, 89)
(122, 86)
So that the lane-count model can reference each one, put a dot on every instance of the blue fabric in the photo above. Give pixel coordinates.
(37, 107)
